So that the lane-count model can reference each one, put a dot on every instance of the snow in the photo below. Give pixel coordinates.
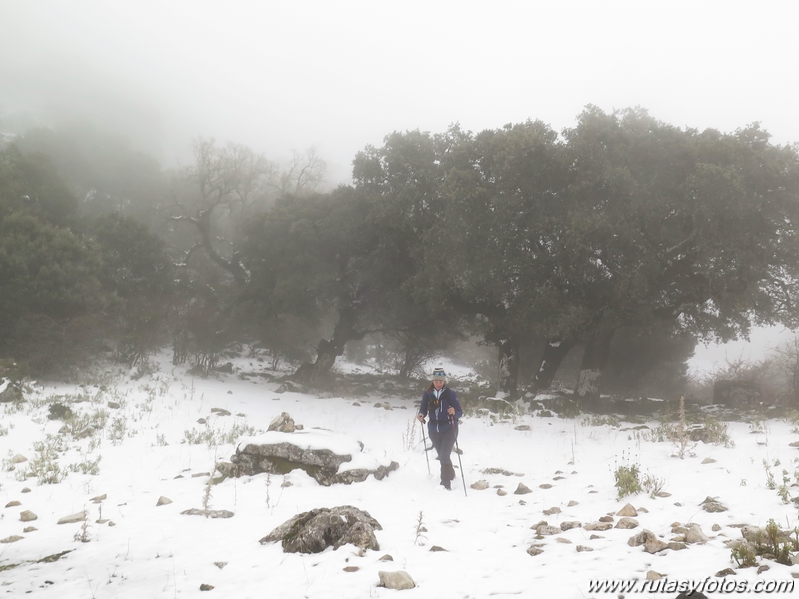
(156, 552)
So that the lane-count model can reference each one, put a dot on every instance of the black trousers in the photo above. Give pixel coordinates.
(443, 443)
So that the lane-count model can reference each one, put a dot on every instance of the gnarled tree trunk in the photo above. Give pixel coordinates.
(594, 360)
(555, 350)
(310, 373)
(509, 366)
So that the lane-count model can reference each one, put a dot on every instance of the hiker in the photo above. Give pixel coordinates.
(444, 409)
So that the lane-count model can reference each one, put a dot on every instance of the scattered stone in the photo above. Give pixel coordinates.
(14, 503)
(351, 568)
(662, 494)
(200, 474)
(713, 505)
(582, 548)
(534, 550)
(725, 572)
(558, 478)
(563, 540)
(102, 521)
(18, 459)
(163, 501)
(763, 568)
(523, 427)
(652, 575)
(71, 519)
(643, 510)
(552, 511)
(318, 529)
(112, 523)
(545, 530)
(676, 545)
(282, 424)
(599, 526)
(99, 498)
(627, 523)
(29, 529)
(695, 535)
(594, 537)
(715, 528)
(564, 526)
(627, 510)
(26, 490)
(708, 461)
(286, 483)
(606, 519)
(214, 514)
(502, 492)
(522, 489)
(11, 393)
(28, 516)
(201, 421)
(480, 485)
(114, 405)
(655, 546)
(220, 411)
(572, 503)
(386, 558)
(206, 587)
(11, 539)
(545, 486)
(437, 548)
(220, 565)
(399, 580)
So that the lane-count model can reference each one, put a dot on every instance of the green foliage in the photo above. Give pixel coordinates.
(744, 555)
(45, 466)
(628, 480)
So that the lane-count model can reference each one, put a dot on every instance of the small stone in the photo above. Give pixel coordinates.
(552, 511)
(29, 529)
(606, 519)
(163, 501)
(572, 503)
(206, 587)
(594, 537)
(220, 565)
(286, 483)
(523, 427)
(563, 540)
(26, 490)
(545, 486)
(435, 548)
(545, 530)
(715, 528)
(582, 548)
(351, 568)
(114, 405)
(386, 558)
(599, 526)
(762, 569)
(11, 539)
(643, 510)
(522, 489)
(662, 494)
(13, 503)
(627, 510)
(534, 550)
(102, 521)
(655, 546)
(677, 546)
(627, 523)
(27, 516)
(200, 474)
(568, 525)
(695, 535)
(71, 519)
(725, 572)
(399, 580)
(480, 485)
(652, 575)
(112, 523)
(708, 461)
(18, 459)
(502, 492)
(99, 498)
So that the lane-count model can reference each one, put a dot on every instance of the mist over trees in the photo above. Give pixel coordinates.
(623, 236)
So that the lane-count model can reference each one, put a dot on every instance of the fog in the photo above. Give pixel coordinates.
(281, 76)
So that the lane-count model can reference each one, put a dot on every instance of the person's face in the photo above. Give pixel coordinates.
(438, 384)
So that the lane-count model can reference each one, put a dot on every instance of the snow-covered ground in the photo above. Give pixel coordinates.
(141, 549)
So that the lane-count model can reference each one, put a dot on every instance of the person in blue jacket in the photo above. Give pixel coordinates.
(441, 404)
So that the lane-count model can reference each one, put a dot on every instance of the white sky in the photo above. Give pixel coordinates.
(283, 76)
(339, 75)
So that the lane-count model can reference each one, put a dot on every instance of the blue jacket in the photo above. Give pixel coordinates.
(439, 419)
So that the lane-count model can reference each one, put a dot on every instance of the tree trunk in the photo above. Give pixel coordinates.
(509, 367)
(594, 360)
(555, 350)
(329, 349)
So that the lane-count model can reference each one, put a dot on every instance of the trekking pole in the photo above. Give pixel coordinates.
(458, 451)
(426, 457)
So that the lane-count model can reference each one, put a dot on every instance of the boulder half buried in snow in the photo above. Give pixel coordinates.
(326, 456)
(315, 531)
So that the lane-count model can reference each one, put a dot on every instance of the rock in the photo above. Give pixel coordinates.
(206, 587)
(436, 548)
(351, 568)
(399, 580)
(534, 550)
(11, 392)
(606, 519)
(11, 539)
(695, 535)
(163, 501)
(762, 569)
(713, 505)
(29, 529)
(652, 575)
(214, 514)
(220, 411)
(564, 526)
(643, 510)
(314, 531)
(523, 427)
(708, 461)
(654, 546)
(502, 492)
(715, 528)
(552, 511)
(282, 424)
(522, 489)
(480, 485)
(545, 530)
(725, 572)
(18, 459)
(582, 548)
(280, 453)
(99, 498)
(114, 405)
(627, 510)
(595, 537)
(26, 490)
(599, 526)
(753, 534)
(28, 516)
(14, 503)
(79, 517)
(572, 503)
(545, 486)
(627, 523)
(563, 540)
(386, 558)
(676, 545)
